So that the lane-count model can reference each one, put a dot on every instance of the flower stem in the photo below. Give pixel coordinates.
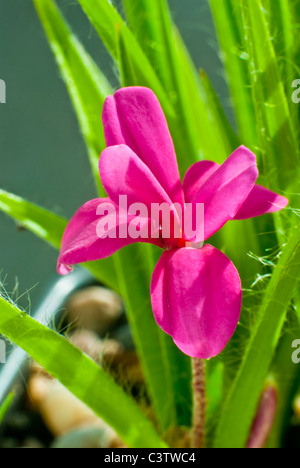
(198, 435)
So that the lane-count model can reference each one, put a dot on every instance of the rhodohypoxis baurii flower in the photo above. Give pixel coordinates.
(195, 292)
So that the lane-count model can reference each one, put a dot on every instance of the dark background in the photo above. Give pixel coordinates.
(43, 157)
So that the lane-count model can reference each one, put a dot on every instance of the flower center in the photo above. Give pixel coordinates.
(178, 243)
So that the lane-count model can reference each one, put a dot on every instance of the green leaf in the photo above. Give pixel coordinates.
(6, 406)
(145, 20)
(43, 223)
(284, 28)
(167, 371)
(228, 21)
(245, 392)
(194, 132)
(278, 138)
(106, 21)
(79, 374)
(286, 374)
(86, 84)
(230, 139)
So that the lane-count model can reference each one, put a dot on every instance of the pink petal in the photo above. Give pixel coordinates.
(259, 202)
(123, 173)
(196, 177)
(134, 117)
(82, 242)
(196, 298)
(226, 189)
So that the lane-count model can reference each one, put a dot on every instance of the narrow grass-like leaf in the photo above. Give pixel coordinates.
(285, 373)
(153, 26)
(86, 84)
(79, 374)
(227, 18)
(145, 20)
(244, 394)
(167, 371)
(230, 139)
(284, 27)
(282, 21)
(106, 20)
(6, 406)
(43, 223)
(278, 140)
(187, 114)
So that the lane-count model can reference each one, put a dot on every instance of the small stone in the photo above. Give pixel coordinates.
(95, 308)
(61, 411)
(59, 408)
(38, 387)
(86, 437)
(111, 349)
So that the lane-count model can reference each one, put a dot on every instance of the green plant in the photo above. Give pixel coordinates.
(259, 56)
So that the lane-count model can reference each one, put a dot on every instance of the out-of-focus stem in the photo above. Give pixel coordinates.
(198, 435)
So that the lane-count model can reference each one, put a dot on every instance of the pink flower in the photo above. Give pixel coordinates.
(196, 293)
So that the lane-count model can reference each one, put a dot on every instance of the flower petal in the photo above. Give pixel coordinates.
(84, 239)
(196, 177)
(226, 189)
(196, 298)
(261, 201)
(134, 117)
(123, 173)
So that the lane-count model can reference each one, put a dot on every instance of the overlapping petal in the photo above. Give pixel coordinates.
(226, 189)
(196, 177)
(196, 298)
(123, 173)
(134, 117)
(259, 202)
(94, 233)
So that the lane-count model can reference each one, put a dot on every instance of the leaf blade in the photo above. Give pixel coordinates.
(86, 84)
(80, 375)
(232, 429)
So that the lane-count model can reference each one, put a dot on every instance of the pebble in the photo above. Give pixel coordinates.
(86, 437)
(66, 417)
(95, 308)
(59, 408)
